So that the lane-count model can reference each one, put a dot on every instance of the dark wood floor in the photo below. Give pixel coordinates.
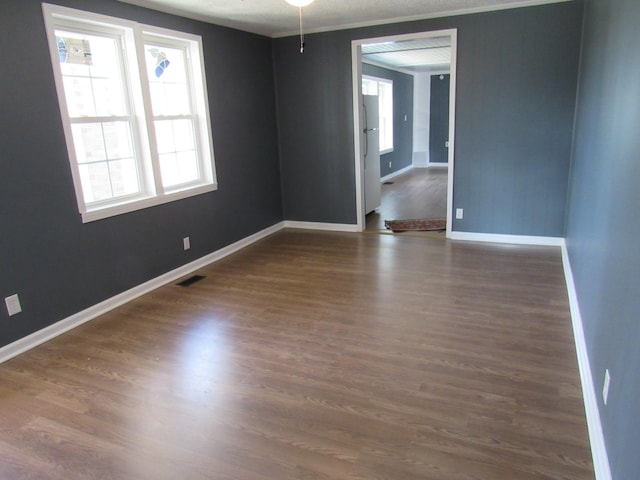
(314, 355)
(418, 193)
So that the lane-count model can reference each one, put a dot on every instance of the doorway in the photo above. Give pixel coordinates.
(406, 45)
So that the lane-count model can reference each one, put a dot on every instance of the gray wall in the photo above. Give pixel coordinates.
(439, 118)
(401, 156)
(603, 221)
(57, 264)
(517, 73)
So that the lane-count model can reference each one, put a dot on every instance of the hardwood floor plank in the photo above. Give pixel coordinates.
(314, 355)
(417, 193)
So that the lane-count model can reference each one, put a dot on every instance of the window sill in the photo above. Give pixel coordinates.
(132, 206)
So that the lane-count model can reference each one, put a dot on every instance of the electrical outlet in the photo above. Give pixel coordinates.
(186, 243)
(13, 304)
(605, 388)
(459, 213)
(389, 164)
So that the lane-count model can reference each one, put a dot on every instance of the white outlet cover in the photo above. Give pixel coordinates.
(459, 213)
(186, 243)
(13, 304)
(605, 388)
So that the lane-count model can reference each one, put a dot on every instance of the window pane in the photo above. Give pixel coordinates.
(117, 136)
(183, 132)
(167, 80)
(92, 74)
(178, 168)
(105, 160)
(95, 182)
(369, 86)
(169, 169)
(109, 98)
(164, 135)
(89, 142)
(107, 180)
(79, 97)
(101, 141)
(385, 90)
(123, 177)
(174, 135)
(188, 164)
(176, 146)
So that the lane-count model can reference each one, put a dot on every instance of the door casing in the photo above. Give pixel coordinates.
(356, 68)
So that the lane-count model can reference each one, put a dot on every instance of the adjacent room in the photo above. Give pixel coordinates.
(196, 284)
(411, 80)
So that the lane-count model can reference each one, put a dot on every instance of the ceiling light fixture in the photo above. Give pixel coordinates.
(300, 4)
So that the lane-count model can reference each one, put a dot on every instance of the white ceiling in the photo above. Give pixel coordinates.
(420, 54)
(276, 18)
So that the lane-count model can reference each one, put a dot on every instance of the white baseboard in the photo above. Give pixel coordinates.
(596, 438)
(437, 165)
(333, 227)
(598, 447)
(386, 178)
(58, 328)
(500, 238)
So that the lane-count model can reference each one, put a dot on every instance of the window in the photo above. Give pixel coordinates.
(135, 111)
(383, 88)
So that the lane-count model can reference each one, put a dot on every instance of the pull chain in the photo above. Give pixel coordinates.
(301, 32)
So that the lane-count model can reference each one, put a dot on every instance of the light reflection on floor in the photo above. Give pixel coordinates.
(204, 359)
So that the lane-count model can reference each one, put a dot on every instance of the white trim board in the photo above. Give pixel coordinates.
(410, 18)
(30, 341)
(599, 454)
(376, 63)
(33, 340)
(331, 227)
(598, 448)
(356, 74)
(513, 239)
(396, 173)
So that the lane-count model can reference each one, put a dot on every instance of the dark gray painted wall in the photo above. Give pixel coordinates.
(402, 154)
(315, 128)
(439, 118)
(517, 72)
(60, 266)
(603, 222)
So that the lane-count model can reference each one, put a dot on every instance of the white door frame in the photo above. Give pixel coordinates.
(356, 68)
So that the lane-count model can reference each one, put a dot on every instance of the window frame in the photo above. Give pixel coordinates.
(133, 37)
(388, 82)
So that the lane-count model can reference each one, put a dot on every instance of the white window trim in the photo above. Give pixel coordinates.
(389, 82)
(154, 193)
